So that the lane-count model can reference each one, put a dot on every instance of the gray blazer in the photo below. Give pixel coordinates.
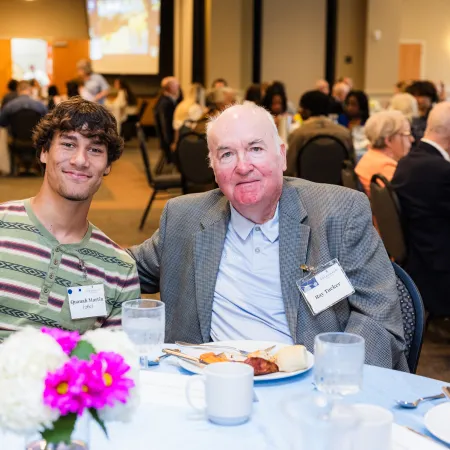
(318, 222)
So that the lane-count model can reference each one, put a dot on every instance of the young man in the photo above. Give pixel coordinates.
(57, 269)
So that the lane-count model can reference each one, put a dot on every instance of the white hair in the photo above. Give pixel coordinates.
(406, 104)
(252, 108)
(382, 125)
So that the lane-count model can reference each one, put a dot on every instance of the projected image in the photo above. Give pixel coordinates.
(124, 28)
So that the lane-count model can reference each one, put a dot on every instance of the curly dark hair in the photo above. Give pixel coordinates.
(87, 118)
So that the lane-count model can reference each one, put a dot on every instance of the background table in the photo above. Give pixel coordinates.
(169, 428)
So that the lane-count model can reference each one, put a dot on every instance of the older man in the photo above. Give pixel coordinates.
(228, 262)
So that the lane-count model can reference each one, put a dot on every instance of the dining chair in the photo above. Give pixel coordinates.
(349, 178)
(157, 183)
(321, 158)
(386, 209)
(413, 315)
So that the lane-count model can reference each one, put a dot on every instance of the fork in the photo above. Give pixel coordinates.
(221, 347)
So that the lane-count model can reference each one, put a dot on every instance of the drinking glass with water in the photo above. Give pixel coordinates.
(144, 322)
(338, 363)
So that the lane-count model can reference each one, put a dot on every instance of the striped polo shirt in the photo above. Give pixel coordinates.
(36, 270)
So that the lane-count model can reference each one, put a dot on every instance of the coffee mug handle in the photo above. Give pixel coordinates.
(193, 380)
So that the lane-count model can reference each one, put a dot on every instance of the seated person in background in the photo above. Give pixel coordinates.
(356, 110)
(276, 102)
(422, 184)
(164, 110)
(125, 103)
(323, 86)
(73, 88)
(338, 95)
(189, 111)
(389, 134)
(254, 94)
(53, 97)
(426, 95)
(47, 245)
(226, 261)
(406, 104)
(218, 83)
(22, 101)
(36, 89)
(314, 108)
(12, 92)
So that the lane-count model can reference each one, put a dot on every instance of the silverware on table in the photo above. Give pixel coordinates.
(412, 405)
(424, 436)
(446, 391)
(156, 361)
(221, 347)
(192, 359)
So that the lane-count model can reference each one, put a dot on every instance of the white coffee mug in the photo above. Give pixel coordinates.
(228, 392)
(374, 427)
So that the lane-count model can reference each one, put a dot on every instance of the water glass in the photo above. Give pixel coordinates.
(144, 322)
(338, 363)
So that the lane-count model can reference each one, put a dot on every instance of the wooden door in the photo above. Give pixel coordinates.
(5, 65)
(410, 62)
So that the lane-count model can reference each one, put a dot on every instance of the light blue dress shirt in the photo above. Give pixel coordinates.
(248, 302)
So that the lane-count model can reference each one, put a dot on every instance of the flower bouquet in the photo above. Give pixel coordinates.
(50, 377)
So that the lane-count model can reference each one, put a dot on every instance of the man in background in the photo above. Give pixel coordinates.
(12, 92)
(323, 86)
(21, 102)
(338, 95)
(314, 109)
(95, 87)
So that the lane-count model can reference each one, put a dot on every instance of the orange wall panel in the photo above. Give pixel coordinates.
(5, 64)
(65, 58)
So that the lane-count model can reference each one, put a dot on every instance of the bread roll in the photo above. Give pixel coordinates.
(292, 358)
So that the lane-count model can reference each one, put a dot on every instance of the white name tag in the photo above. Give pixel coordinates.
(87, 301)
(325, 286)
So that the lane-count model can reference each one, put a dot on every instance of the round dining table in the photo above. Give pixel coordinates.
(161, 426)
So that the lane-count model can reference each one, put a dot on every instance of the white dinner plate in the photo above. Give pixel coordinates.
(437, 422)
(250, 346)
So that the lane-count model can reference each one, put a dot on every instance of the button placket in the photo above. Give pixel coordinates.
(55, 260)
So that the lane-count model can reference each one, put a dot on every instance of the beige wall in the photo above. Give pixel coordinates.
(60, 19)
(382, 55)
(228, 34)
(293, 47)
(429, 21)
(351, 40)
(183, 35)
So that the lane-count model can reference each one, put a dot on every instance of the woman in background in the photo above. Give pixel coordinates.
(253, 94)
(275, 101)
(124, 105)
(406, 104)
(356, 110)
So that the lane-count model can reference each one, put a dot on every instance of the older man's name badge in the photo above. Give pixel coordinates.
(87, 301)
(324, 286)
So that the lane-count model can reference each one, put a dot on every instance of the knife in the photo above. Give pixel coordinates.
(192, 359)
(446, 391)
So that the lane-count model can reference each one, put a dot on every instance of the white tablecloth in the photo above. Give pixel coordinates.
(5, 165)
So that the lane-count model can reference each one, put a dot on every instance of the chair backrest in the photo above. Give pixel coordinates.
(192, 156)
(348, 176)
(413, 314)
(22, 123)
(386, 209)
(321, 159)
(142, 109)
(143, 148)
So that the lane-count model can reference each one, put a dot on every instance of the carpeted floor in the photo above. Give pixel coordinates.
(117, 210)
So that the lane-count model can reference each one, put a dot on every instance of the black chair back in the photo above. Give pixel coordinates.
(348, 176)
(386, 209)
(321, 159)
(22, 124)
(413, 315)
(146, 160)
(192, 157)
(142, 109)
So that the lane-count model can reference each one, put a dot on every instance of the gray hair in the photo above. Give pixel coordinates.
(382, 125)
(439, 120)
(406, 104)
(251, 108)
(85, 65)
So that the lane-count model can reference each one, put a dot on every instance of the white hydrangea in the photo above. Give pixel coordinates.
(104, 340)
(25, 359)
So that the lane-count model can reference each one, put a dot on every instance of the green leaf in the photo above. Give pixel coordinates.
(83, 350)
(62, 429)
(96, 417)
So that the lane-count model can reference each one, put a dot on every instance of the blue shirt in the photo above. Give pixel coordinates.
(95, 84)
(248, 302)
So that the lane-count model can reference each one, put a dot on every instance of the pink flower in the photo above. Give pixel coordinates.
(107, 381)
(68, 340)
(66, 388)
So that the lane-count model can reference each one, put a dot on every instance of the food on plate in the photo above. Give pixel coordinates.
(262, 354)
(213, 358)
(292, 358)
(261, 366)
